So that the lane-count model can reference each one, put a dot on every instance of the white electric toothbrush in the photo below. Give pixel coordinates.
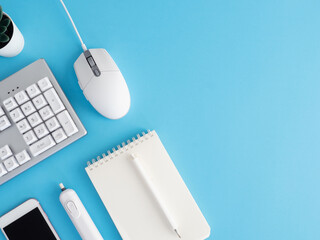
(79, 215)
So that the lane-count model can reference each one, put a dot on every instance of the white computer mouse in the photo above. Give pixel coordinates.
(102, 83)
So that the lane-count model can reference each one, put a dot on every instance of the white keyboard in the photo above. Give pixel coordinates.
(36, 119)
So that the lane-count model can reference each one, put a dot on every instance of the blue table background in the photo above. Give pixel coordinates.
(231, 87)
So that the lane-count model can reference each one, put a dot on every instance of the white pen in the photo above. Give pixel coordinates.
(155, 194)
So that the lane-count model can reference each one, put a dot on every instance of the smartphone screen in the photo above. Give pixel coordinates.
(30, 226)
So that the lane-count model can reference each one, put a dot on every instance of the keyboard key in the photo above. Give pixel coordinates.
(4, 123)
(41, 146)
(28, 108)
(10, 104)
(67, 123)
(1, 111)
(46, 113)
(10, 163)
(21, 97)
(52, 124)
(34, 119)
(16, 115)
(54, 100)
(22, 157)
(41, 130)
(30, 137)
(44, 84)
(23, 126)
(5, 152)
(39, 102)
(59, 135)
(3, 171)
(33, 90)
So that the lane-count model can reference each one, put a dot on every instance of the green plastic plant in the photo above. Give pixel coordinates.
(4, 24)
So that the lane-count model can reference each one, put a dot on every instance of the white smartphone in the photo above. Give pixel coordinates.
(27, 221)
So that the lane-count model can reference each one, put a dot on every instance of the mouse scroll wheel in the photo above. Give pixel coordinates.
(93, 66)
(91, 61)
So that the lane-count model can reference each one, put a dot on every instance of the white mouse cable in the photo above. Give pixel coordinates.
(74, 26)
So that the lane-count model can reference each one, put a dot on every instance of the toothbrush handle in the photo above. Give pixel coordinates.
(79, 215)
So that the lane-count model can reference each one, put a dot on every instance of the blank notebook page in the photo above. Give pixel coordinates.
(129, 201)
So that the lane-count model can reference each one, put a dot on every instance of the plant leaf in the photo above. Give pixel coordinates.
(5, 22)
(1, 13)
(3, 29)
(4, 38)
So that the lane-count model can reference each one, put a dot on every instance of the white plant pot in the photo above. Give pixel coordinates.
(16, 43)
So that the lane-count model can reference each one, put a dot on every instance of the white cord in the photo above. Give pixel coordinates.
(74, 26)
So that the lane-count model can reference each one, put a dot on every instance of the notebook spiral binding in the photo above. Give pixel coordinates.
(105, 157)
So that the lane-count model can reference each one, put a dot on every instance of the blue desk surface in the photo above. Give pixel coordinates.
(232, 88)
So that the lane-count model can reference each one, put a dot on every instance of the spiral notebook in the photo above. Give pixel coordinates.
(129, 202)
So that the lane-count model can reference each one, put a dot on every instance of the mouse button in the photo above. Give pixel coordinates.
(109, 95)
(96, 72)
(103, 60)
(83, 71)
